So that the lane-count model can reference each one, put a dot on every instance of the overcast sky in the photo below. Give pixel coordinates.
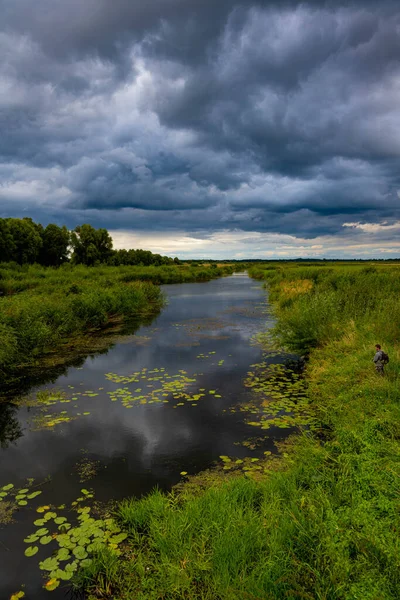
(205, 128)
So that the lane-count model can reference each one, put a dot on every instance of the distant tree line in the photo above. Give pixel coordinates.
(26, 242)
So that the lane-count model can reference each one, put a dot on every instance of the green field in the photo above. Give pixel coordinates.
(323, 522)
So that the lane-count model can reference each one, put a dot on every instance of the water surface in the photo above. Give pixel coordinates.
(206, 333)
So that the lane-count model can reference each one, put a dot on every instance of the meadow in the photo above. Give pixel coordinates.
(323, 522)
(43, 309)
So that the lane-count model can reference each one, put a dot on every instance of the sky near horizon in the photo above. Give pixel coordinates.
(206, 128)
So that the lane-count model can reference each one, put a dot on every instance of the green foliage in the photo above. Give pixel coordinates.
(73, 547)
(55, 247)
(7, 246)
(325, 524)
(314, 314)
(11, 498)
(90, 246)
(25, 238)
(24, 241)
(45, 314)
(139, 257)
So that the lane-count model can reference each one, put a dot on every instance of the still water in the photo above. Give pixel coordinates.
(137, 434)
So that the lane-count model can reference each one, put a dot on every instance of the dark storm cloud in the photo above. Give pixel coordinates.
(199, 115)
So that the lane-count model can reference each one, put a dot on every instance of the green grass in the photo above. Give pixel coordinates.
(324, 527)
(16, 278)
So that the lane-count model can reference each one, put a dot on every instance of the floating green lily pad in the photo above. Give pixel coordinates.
(34, 495)
(50, 564)
(79, 552)
(31, 539)
(46, 539)
(31, 551)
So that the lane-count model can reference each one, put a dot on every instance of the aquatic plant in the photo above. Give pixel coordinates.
(72, 546)
(156, 386)
(17, 595)
(281, 398)
(11, 498)
(87, 469)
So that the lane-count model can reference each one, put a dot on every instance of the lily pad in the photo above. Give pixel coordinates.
(64, 575)
(86, 562)
(79, 552)
(46, 539)
(63, 554)
(8, 487)
(31, 539)
(33, 495)
(117, 539)
(50, 515)
(50, 564)
(52, 584)
(31, 551)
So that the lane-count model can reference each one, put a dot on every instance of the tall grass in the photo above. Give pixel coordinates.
(324, 527)
(336, 297)
(16, 278)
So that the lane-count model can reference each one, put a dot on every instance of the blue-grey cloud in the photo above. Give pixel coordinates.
(192, 115)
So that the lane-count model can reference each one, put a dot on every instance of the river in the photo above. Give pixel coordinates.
(173, 413)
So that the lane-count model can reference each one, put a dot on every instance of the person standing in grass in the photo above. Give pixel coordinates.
(380, 359)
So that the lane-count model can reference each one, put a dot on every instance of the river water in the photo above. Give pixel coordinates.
(122, 437)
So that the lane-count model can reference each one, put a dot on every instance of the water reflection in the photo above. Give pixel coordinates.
(149, 445)
(10, 428)
(74, 355)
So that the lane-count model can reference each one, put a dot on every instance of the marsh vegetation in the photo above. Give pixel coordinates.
(200, 403)
(323, 521)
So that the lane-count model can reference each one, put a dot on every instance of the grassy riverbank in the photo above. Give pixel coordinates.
(324, 522)
(43, 309)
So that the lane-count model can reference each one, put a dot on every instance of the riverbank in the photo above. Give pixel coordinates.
(46, 310)
(323, 522)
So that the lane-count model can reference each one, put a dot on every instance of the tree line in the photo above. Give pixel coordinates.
(25, 242)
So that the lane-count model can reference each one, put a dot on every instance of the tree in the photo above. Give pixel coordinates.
(90, 245)
(7, 247)
(56, 242)
(27, 241)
